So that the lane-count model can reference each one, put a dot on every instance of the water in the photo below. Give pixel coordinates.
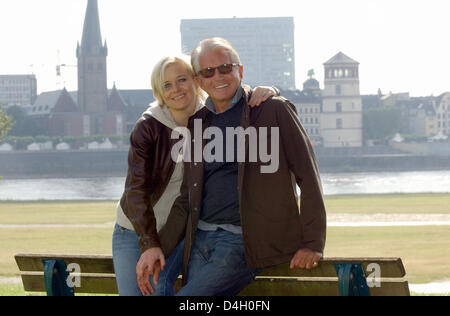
(333, 184)
(387, 182)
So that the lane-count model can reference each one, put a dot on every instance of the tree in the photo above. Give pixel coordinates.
(24, 125)
(382, 122)
(6, 123)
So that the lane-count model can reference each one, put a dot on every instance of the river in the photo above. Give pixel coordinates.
(110, 188)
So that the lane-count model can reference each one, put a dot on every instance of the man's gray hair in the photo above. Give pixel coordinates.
(212, 44)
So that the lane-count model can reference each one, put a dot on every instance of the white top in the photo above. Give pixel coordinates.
(172, 192)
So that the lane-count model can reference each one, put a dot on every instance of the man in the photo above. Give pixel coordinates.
(232, 219)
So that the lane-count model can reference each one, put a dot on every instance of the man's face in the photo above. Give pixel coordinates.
(221, 87)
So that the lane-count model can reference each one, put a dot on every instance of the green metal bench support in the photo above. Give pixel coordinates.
(352, 280)
(55, 278)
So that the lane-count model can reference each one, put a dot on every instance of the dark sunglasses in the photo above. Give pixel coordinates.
(223, 69)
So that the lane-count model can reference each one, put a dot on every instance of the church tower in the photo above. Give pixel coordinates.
(342, 103)
(92, 78)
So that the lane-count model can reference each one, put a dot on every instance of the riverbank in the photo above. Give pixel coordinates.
(111, 163)
(111, 188)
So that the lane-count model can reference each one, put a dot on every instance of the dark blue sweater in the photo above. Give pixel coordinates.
(220, 194)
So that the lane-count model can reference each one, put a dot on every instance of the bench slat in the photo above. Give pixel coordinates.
(88, 264)
(90, 284)
(284, 287)
(389, 267)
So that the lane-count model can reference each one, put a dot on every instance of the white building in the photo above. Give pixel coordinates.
(443, 113)
(341, 124)
(265, 46)
(20, 90)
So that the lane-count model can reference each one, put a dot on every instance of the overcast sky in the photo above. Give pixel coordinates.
(402, 45)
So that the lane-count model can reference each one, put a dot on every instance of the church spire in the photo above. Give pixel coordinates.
(92, 74)
(91, 42)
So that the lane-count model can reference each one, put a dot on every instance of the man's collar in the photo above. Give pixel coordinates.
(237, 97)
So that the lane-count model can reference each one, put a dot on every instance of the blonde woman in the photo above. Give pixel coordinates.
(154, 179)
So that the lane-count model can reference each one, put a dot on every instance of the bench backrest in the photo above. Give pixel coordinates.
(333, 276)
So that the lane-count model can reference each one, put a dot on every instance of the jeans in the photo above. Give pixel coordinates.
(126, 254)
(217, 266)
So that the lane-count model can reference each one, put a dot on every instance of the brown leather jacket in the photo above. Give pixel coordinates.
(150, 168)
(273, 225)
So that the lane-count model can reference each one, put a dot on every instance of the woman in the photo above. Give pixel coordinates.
(154, 179)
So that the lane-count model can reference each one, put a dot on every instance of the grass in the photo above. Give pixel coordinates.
(389, 203)
(71, 212)
(11, 290)
(424, 249)
(74, 212)
(56, 241)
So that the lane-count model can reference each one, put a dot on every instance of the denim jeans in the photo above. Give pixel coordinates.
(217, 266)
(126, 254)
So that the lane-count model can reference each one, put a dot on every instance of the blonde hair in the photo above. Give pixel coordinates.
(157, 79)
(212, 44)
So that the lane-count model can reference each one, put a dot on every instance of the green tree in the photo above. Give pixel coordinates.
(24, 125)
(6, 123)
(381, 122)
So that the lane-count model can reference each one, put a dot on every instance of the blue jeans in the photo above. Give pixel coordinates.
(217, 266)
(126, 254)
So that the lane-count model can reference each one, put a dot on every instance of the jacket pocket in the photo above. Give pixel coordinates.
(277, 238)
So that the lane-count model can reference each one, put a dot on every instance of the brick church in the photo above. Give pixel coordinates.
(93, 109)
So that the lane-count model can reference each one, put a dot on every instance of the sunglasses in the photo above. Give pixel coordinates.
(223, 69)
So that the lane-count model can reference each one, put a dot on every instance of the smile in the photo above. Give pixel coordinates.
(222, 86)
(179, 97)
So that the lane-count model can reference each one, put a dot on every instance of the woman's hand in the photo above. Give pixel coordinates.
(151, 262)
(261, 94)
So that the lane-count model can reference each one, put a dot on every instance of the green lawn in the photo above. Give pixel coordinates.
(424, 250)
(389, 203)
(73, 212)
(11, 290)
(70, 212)
(54, 240)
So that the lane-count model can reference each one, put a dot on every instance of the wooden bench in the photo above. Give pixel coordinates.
(333, 277)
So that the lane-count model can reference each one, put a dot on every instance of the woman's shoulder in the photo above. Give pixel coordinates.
(149, 126)
(156, 114)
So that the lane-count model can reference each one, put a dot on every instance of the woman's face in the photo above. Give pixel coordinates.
(179, 88)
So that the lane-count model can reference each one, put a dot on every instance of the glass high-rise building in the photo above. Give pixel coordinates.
(265, 46)
(19, 90)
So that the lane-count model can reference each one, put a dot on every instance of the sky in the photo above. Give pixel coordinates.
(401, 45)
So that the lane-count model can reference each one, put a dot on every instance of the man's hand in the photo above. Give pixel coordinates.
(261, 94)
(306, 259)
(151, 262)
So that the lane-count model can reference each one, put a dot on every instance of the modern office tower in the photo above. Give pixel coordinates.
(265, 46)
(20, 90)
